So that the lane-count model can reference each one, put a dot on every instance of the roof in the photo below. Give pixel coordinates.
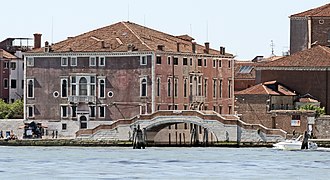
(244, 70)
(322, 11)
(317, 56)
(267, 88)
(119, 36)
(7, 55)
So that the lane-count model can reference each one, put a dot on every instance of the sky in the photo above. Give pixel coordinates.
(245, 27)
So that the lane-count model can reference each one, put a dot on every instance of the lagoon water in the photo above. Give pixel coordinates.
(161, 163)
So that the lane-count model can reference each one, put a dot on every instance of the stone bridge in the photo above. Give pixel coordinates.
(157, 127)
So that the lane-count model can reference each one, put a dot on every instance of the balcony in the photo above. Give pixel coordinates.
(198, 99)
(82, 99)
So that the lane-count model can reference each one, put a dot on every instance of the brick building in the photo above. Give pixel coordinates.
(274, 106)
(306, 71)
(120, 71)
(310, 27)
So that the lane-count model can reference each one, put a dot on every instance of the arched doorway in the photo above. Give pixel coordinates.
(83, 122)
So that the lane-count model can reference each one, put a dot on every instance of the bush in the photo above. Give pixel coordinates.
(11, 111)
(319, 111)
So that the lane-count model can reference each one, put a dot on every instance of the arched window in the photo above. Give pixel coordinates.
(169, 87)
(158, 86)
(64, 88)
(83, 86)
(30, 88)
(102, 88)
(144, 87)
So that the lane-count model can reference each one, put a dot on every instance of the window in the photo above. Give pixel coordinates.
(5, 64)
(199, 86)
(214, 108)
(185, 61)
(185, 88)
(13, 83)
(245, 69)
(64, 88)
(158, 60)
(73, 61)
(205, 62)
(73, 86)
(220, 88)
(102, 61)
(220, 109)
(169, 107)
(64, 111)
(30, 89)
(169, 87)
(185, 107)
(169, 60)
(158, 86)
(214, 63)
(101, 88)
(214, 88)
(229, 89)
(175, 87)
(29, 61)
(30, 111)
(175, 61)
(92, 85)
(13, 65)
(143, 87)
(92, 61)
(229, 63)
(102, 111)
(191, 61)
(5, 83)
(64, 126)
(199, 62)
(64, 61)
(143, 60)
(83, 86)
(205, 87)
(73, 111)
(220, 63)
(92, 111)
(229, 109)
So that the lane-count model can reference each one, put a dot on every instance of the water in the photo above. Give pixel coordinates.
(161, 163)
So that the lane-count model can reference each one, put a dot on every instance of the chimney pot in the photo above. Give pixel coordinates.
(37, 40)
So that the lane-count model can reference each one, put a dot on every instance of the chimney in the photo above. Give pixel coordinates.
(222, 50)
(178, 47)
(207, 47)
(193, 47)
(37, 40)
(47, 46)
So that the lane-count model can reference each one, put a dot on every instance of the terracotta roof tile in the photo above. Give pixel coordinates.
(7, 55)
(117, 37)
(321, 11)
(267, 88)
(317, 56)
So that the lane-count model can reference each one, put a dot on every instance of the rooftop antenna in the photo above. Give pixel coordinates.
(190, 30)
(272, 45)
(52, 29)
(207, 31)
(128, 11)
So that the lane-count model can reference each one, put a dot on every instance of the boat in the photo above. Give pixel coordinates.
(294, 144)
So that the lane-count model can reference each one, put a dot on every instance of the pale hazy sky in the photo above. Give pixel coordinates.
(244, 27)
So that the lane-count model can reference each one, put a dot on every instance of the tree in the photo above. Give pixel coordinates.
(319, 111)
(11, 111)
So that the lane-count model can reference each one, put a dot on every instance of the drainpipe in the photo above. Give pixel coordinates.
(173, 83)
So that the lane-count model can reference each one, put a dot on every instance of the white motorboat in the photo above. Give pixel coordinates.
(294, 144)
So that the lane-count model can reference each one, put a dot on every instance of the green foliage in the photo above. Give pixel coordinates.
(11, 111)
(319, 111)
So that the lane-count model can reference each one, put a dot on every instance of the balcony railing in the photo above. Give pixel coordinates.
(82, 99)
(197, 98)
